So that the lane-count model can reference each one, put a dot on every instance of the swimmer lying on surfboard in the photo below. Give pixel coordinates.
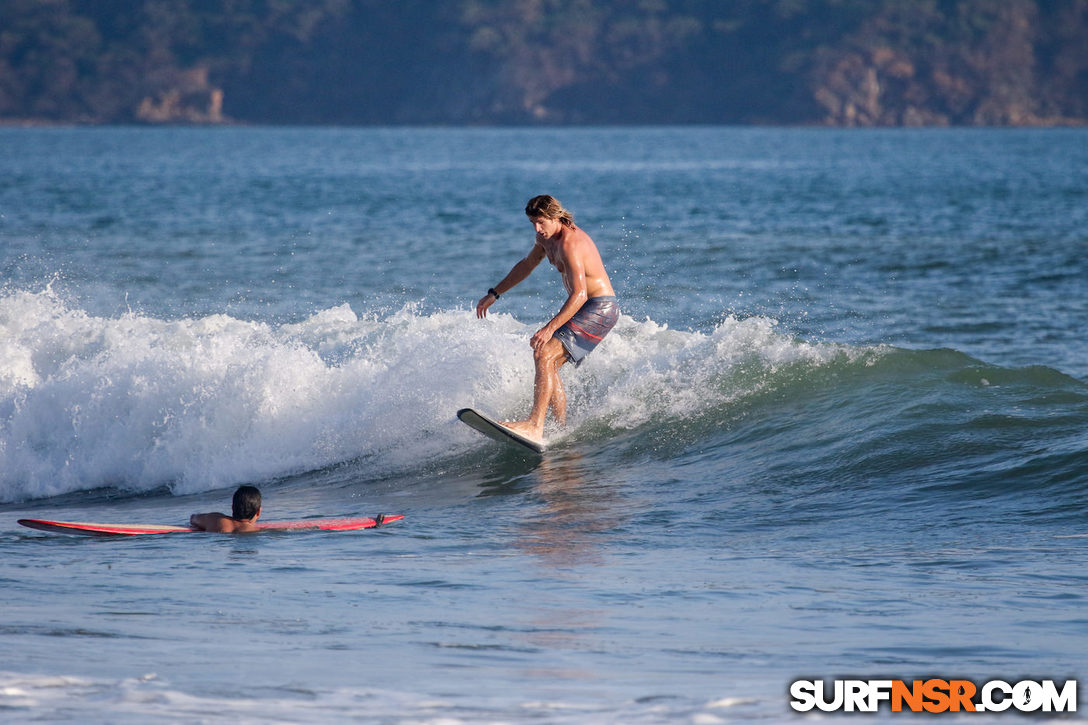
(581, 323)
(245, 510)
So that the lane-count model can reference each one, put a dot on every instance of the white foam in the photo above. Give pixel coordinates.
(150, 698)
(139, 402)
(650, 371)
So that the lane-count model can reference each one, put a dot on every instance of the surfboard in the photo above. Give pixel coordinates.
(91, 529)
(494, 430)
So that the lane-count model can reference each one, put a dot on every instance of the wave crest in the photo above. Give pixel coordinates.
(136, 402)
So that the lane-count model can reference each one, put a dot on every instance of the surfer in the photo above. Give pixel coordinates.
(245, 510)
(581, 323)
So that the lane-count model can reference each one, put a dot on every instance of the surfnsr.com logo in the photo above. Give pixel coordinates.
(933, 696)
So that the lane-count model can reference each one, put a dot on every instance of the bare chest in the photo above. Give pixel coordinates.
(555, 258)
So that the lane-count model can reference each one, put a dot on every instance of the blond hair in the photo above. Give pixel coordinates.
(548, 207)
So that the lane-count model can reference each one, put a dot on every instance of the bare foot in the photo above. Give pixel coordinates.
(524, 428)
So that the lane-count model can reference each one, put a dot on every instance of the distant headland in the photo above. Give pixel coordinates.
(520, 62)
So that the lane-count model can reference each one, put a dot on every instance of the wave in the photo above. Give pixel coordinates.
(137, 403)
(151, 698)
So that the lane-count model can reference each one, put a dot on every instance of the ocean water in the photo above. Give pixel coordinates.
(840, 430)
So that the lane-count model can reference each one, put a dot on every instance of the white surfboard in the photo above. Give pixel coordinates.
(496, 431)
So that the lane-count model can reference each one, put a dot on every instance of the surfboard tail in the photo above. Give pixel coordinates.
(87, 528)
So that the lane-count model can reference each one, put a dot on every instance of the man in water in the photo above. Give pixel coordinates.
(246, 509)
(581, 323)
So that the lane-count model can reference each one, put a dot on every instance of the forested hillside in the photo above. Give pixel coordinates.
(840, 62)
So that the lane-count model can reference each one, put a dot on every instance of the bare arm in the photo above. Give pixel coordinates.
(520, 271)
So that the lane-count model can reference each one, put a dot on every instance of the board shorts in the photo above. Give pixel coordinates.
(587, 328)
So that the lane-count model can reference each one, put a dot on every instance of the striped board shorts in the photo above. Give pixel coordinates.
(587, 328)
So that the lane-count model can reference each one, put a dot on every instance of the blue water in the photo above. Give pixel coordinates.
(840, 430)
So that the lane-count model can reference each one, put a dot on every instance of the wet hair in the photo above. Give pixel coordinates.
(548, 207)
(247, 502)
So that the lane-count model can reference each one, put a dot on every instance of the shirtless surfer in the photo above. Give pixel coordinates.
(245, 510)
(581, 323)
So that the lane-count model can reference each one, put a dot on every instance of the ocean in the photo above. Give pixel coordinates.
(840, 431)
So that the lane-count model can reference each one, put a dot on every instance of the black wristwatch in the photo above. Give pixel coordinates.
(493, 293)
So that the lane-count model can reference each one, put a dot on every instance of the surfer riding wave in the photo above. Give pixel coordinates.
(588, 314)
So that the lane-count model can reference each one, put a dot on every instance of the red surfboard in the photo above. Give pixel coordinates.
(91, 529)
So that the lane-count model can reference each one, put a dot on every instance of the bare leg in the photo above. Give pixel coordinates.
(547, 392)
(559, 397)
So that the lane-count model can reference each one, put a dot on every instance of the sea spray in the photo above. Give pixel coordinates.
(136, 402)
(649, 371)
